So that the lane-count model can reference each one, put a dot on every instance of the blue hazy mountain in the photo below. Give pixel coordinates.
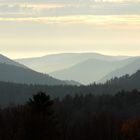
(83, 67)
(11, 71)
(6, 60)
(127, 69)
(55, 62)
(90, 70)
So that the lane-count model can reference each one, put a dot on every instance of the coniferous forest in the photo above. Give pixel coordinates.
(13, 93)
(94, 112)
(69, 69)
(79, 117)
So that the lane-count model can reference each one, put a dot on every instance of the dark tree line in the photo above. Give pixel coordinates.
(19, 93)
(79, 117)
(33, 121)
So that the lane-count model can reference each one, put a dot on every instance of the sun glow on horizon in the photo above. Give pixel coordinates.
(30, 29)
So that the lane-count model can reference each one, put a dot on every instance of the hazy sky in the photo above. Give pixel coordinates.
(35, 27)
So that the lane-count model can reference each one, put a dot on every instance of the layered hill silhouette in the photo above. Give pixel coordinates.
(19, 93)
(83, 67)
(55, 62)
(127, 69)
(6, 60)
(91, 70)
(86, 68)
(11, 71)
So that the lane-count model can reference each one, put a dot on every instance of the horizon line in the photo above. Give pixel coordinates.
(61, 53)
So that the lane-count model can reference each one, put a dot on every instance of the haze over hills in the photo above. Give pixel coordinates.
(86, 72)
(60, 83)
(6, 60)
(55, 62)
(11, 71)
(19, 93)
(83, 67)
(90, 70)
(127, 69)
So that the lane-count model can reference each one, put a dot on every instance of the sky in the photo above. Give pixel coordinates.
(30, 28)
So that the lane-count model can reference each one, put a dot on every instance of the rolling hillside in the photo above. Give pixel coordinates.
(19, 93)
(6, 60)
(55, 62)
(12, 73)
(127, 69)
(90, 70)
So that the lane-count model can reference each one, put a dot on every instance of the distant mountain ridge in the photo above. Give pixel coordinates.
(19, 93)
(91, 70)
(55, 62)
(83, 67)
(127, 69)
(6, 60)
(11, 71)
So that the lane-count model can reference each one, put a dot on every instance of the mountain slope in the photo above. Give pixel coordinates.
(55, 62)
(11, 73)
(90, 70)
(6, 60)
(127, 69)
(19, 93)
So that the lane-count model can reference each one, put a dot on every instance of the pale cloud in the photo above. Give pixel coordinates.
(119, 20)
(31, 28)
(39, 7)
(74, 7)
(117, 1)
(29, 6)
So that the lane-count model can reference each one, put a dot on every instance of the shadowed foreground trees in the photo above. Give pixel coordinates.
(19, 93)
(40, 123)
(81, 117)
(131, 129)
(33, 121)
